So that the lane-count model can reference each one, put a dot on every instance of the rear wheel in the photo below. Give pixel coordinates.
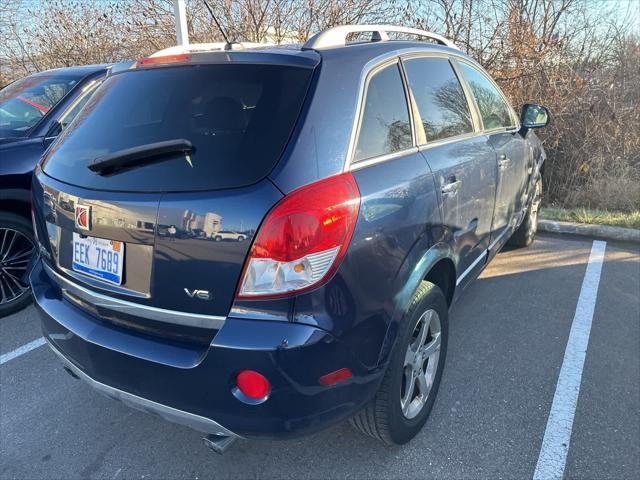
(526, 232)
(410, 385)
(17, 247)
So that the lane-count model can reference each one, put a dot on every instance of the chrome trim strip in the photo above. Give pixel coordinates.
(499, 237)
(100, 285)
(197, 422)
(408, 95)
(481, 257)
(447, 141)
(382, 158)
(130, 308)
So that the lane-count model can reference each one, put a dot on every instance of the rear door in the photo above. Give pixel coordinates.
(163, 211)
(398, 202)
(462, 161)
(513, 156)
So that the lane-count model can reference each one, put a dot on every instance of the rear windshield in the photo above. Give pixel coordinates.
(237, 117)
(25, 102)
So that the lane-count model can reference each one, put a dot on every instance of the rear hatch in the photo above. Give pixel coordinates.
(161, 159)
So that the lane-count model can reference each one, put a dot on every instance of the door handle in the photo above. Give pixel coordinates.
(451, 188)
(504, 161)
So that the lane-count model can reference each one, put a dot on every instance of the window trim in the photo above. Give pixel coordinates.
(475, 117)
(395, 60)
(383, 158)
(408, 98)
(399, 55)
(514, 118)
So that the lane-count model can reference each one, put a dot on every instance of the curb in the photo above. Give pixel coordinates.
(597, 231)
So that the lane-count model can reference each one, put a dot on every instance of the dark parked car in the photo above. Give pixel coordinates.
(33, 110)
(379, 178)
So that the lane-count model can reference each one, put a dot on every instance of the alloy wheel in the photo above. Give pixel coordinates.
(420, 364)
(16, 250)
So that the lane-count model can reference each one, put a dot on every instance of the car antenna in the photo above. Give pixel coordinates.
(228, 45)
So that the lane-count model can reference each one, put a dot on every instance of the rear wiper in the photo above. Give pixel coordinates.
(138, 156)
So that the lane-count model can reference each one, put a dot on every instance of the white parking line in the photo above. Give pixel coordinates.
(555, 444)
(38, 342)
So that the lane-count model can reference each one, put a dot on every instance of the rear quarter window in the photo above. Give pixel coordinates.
(237, 117)
(385, 126)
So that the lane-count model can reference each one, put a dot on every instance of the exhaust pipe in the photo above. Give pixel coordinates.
(218, 443)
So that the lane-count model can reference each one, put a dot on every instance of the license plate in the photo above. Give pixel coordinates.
(98, 257)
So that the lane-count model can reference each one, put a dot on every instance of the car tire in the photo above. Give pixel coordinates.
(387, 418)
(217, 238)
(16, 237)
(526, 232)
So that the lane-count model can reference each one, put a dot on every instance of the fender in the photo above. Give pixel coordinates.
(414, 269)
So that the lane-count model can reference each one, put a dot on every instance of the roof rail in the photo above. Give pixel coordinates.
(337, 36)
(207, 47)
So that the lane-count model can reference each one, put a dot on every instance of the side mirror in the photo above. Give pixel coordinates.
(534, 116)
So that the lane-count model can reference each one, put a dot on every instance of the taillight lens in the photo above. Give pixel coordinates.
(303, 239)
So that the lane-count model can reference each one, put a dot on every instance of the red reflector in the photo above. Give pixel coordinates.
(181, 57)
(336, 377)
(253, 384)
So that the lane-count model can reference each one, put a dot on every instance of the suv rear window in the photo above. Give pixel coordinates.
(237, 117)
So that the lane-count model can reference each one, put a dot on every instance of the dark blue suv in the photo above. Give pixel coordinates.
(33, 111)
(371, 182)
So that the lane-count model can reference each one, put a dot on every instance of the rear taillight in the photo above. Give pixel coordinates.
(302, 240)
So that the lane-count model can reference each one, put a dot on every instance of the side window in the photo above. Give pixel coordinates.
(493, 109)
(385, 126)
(441, 102)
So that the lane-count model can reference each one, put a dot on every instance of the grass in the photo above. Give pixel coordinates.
(598, 217)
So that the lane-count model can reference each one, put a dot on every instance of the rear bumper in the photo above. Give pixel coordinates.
(170, 414)
(192, 384)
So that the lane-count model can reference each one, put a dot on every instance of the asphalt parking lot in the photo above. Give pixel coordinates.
(508, 337)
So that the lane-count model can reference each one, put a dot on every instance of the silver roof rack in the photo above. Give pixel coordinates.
(337, 36)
